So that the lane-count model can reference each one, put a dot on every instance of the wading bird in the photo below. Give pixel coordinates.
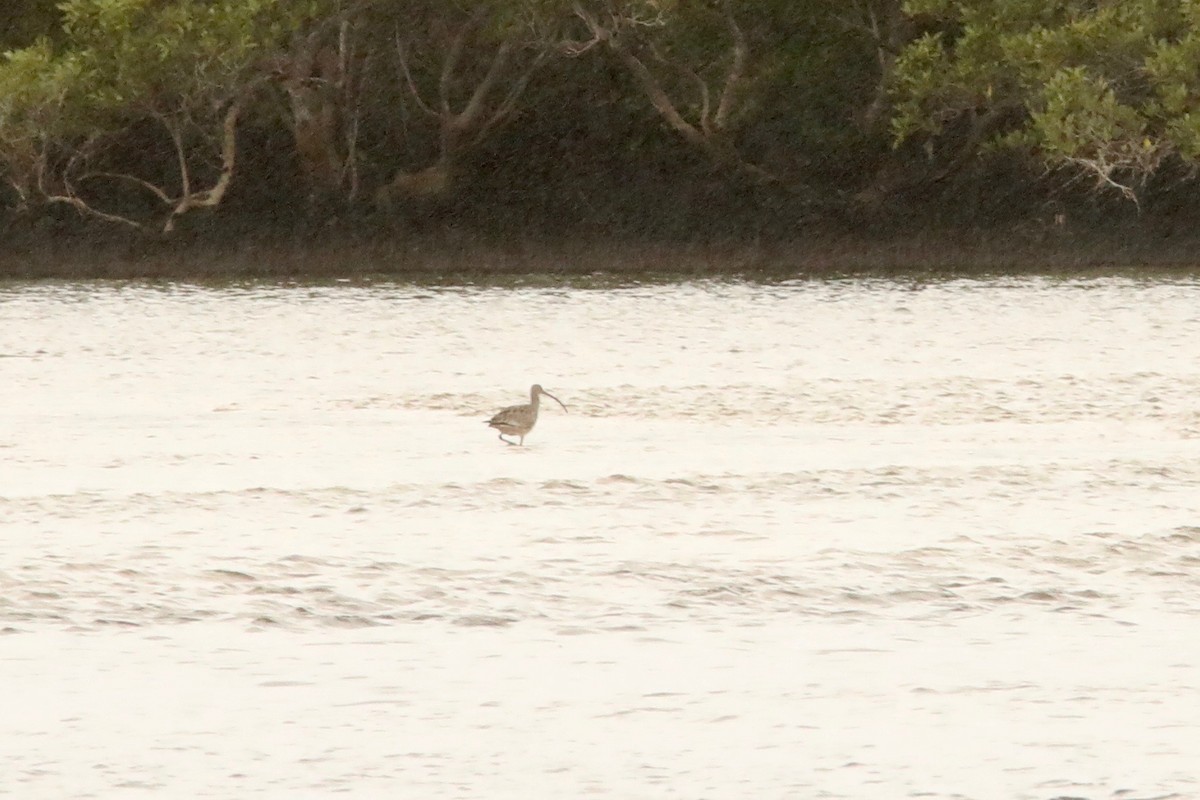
(519, 420)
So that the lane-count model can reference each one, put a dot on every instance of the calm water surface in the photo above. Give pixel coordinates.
(856, 539)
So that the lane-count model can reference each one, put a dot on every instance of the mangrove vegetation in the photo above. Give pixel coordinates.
(729, 120)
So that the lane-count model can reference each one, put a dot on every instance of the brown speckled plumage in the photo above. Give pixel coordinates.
(519, 420)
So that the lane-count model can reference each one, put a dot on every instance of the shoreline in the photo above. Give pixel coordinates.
(458, 257)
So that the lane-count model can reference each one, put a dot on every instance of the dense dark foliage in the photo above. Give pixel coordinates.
(657, 119)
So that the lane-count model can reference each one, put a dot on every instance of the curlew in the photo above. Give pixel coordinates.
(519, 420)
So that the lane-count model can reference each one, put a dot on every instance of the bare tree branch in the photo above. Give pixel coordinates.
(71, 198)
(658, 96)
(450, 65)
(623, 35)
(120, 176)
(213, 197)
(508, 105)
(468, 116)
(402, 57)
(185, 178)
(1103, 171)
(465, 115)
(737, 71)
(702, 89)
(83, 208)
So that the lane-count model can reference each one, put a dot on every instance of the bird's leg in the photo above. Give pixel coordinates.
(506, 441)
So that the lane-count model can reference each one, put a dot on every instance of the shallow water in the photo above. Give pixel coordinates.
(840, 539)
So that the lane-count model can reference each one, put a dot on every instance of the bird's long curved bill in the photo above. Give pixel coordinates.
(555, 399)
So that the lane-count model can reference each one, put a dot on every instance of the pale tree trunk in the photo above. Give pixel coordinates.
(463, 125)
(888, 28)
(320, 79)
(705, 120)
(211, 197)
(60, 186)
(64, 190)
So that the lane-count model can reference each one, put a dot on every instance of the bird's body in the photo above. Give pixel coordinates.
(519, 420)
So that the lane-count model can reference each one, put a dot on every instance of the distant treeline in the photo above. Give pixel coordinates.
(660, 117)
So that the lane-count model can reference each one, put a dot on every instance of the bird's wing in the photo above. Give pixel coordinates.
(504, 415)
